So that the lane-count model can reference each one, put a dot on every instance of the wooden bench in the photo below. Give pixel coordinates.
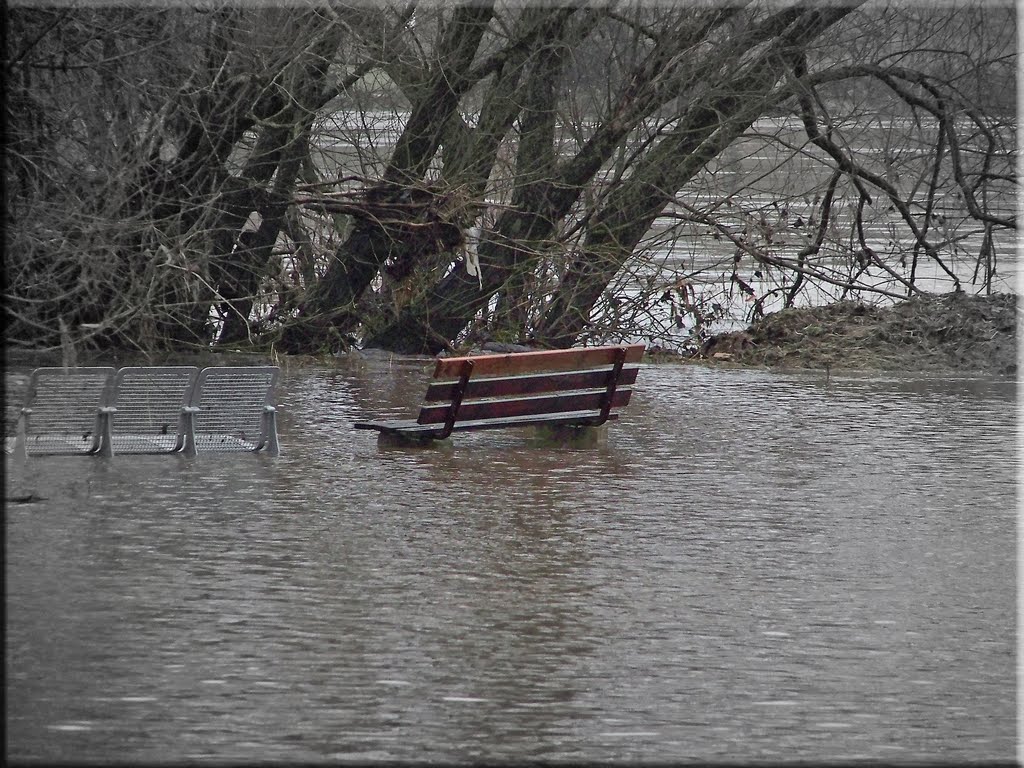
(582, 387)
(150, 409)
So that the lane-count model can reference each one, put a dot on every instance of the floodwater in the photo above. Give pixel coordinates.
(756, 566)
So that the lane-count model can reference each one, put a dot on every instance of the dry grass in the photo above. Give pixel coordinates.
(951, 332)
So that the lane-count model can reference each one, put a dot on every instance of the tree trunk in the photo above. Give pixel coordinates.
(253, 254)
(707, 128)
(328, 309)
(428, 325)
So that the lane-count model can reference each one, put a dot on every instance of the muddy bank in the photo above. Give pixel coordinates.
(948, 333)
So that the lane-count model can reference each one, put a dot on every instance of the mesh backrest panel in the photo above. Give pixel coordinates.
(231, 402)
(149, 403)
(64, 404)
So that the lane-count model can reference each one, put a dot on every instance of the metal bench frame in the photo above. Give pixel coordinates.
(228, 408)
(232, 410)
(582, 387)
(147, 410)
(65, 411)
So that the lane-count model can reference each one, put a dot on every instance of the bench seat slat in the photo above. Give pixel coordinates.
(501, 408)
(527, 384)
(550, 360)
(414, 428)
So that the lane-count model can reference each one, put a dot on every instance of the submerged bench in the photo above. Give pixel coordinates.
(233, 410)
(148, 410)
(66, 407)
(151, 409)
(571, 387)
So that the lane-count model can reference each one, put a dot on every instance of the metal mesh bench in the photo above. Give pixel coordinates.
(139, 410)
(150, 404)
(232, 410)
(64, 411)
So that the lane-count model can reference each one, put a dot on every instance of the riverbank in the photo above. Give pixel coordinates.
(950, 333)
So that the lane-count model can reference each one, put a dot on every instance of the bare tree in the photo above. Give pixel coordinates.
(413, 176)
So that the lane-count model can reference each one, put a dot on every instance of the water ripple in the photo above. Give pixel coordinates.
(754, 566)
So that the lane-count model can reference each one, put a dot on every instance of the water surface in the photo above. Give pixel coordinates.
(756, 566)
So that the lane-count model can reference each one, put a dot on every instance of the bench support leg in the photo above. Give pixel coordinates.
(21, 441)
(460, 390)
(187, 429)
(400, 440)
(105, 431)
(270, 443)
(613, 380)
(570, 436)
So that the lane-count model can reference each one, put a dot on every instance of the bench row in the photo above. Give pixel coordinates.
(150, 409)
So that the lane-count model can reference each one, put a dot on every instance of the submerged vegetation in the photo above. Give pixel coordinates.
(418, 177)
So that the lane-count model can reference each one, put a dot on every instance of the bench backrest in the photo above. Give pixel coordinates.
(591, 383)
(149, 403)
(235, 409)
(62, 410)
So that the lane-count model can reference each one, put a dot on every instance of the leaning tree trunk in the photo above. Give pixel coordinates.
(443, 311)
(632, 207)
(707, 128)
(253, 255)
(329, 308)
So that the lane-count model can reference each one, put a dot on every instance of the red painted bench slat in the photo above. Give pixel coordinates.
(527, 385)
(525, 406)
(530, 362)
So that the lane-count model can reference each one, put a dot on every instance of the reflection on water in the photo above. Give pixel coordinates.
(756, 566)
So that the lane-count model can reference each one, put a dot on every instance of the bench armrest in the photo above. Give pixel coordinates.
(460, 391)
